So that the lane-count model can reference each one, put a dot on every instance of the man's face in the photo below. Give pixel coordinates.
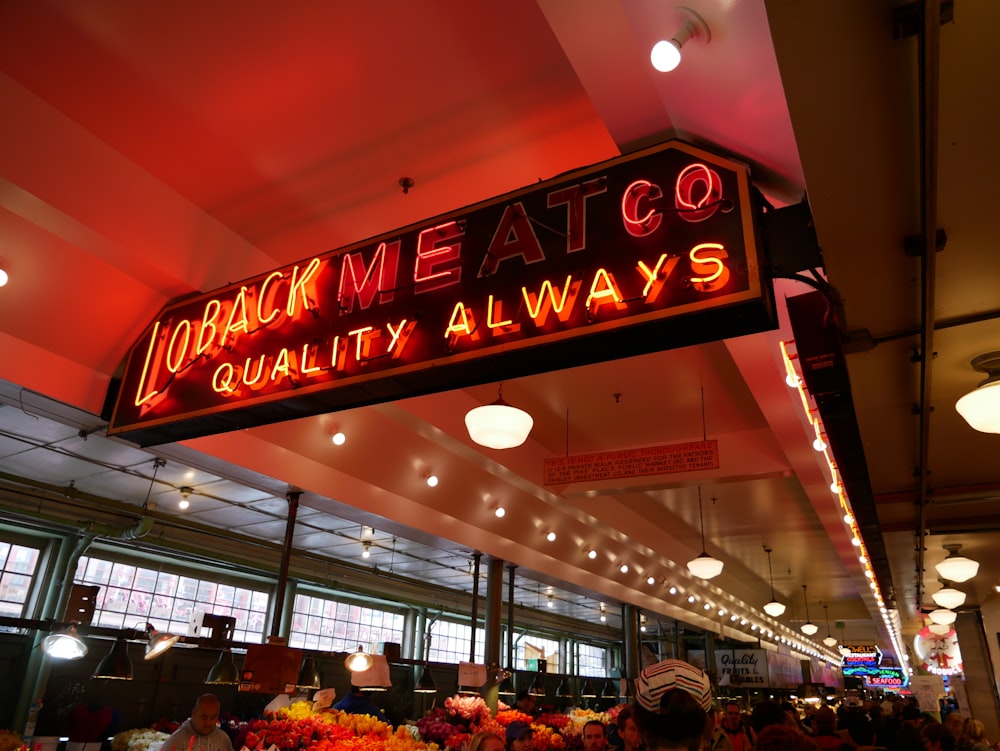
(205, 717)
(629, 733)
(731, 719)
(525, 743)
(594, 738)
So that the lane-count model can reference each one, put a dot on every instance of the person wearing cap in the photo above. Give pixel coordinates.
(673, 703)
(520, 736)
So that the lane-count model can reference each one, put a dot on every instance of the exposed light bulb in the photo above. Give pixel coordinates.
(367, 551)
(338, 438)
(692, 599)
(651, 580)
(623, 568)
(819, 444)
(500, 512)
(672, 590)
(551, 602)
(848, 519)
(665, 55)
(592, 554)
(551, 537)
(835, 487)
(604, 618)
(432, 481)
(792, 381)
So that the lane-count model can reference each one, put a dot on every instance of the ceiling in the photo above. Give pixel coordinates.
(150, 151)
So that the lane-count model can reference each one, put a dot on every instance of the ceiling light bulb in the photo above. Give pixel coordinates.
(183, 503)
(848, 520)
(651, 580)
(432, 481)
(835, 487)
(941, 629)
(551, 603)
(981, 406)
(604, 618)
(819, 444)
(809, 628)
(692, 599)
(942, 616)
(721, 612)
(665, 55)
(956, 568)
(500, 512)
(366, 553)
(672, 590)
(338, 438)
(551, 537)
(592, 554)
(792, 380)
(708, 606)
(774, 608)
(830, 641)
(856, 542)
(643, 628)
(623, 568)
(705, 566)
(4, 277)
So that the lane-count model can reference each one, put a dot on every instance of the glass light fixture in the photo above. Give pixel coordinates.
(308, 674)
(957, 568)
(808, 628)
(941, 629)
(942, 616)
(773, 608)
(65, 645)
(159, 642)
(981, 406)
(224, 671)
(4, 277)
(116, 665)
(666, 54)
(426, 684)
(358, 662)
(498, 425)
(704, 566)
(949, 598)
(829, 640)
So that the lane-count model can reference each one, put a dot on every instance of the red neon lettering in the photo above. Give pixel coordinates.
(640, 226)
(603, 291)
(514, 237)
(282, 366)
(298, 286)
(494, 324)
(258, 378)
(363, 344)
(223, 379)
(139, 398)
(212, 310)
(308, 361)
(376, 281)
(266, 295)
(539, 305)
(716, 274)
(237, 316)
(692, 210)
(175, 358)
(656, 278)
(400, 336)
(575, 199)
(438, 262)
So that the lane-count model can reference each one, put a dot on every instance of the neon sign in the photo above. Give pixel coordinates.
(860, 655)
(641, 253)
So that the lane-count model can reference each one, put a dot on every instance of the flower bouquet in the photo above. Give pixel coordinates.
(138, 739)
(11, 741)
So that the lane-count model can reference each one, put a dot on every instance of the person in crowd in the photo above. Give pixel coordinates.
(955, 724)
(358, 702)
(673, 703)
(520, 736)
(628, 731)
(764, 714)
(783, 737)
(595, 736)
(525, 702)
(825, 732)
(908, 737)
(201, 731)
(973, 737)
(937, 737)
(719, 740)
(735, 728)
(792, 718)
(484, 741)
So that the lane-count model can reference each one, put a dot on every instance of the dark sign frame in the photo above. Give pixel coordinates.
(642, 253)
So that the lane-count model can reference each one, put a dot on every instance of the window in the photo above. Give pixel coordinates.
(331, 626)
(592, 661)
(17, 574)
(131, 596)
(533, 647)
(450, 641)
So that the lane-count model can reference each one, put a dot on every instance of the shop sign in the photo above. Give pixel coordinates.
(866, 655)
(878, 677)
(938, 653)
(742, 667)
(643, 462)
(642, 253)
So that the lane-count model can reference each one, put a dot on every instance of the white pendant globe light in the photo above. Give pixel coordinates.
(981, 406)
(949, 598)
(957, 568)
(773, 608)
(704, 566)
(829, 640)
(498, 425)
(941, 629)
(942, 616)
(808, 628)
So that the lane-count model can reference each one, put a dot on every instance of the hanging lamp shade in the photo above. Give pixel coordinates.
(563, 690)
(808, 628)
(829, 640)
(941, 629)
(498, 425)
(159, 642)
(587, 690)
(981, 406)
(308, 674)
(949, 598)
(116, 665)
(65, 645)
(506, 686)
(773, 608)
(537, 687)
(957, 568)
(425, 684)
(942, 616)
(705, 566)
(224, 671)
(358, 662)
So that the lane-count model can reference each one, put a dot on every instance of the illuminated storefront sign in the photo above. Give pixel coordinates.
(938, 653)
(860, 655)
(878, 677)
(638, 254)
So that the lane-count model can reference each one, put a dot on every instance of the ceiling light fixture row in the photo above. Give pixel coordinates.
(795, 380)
